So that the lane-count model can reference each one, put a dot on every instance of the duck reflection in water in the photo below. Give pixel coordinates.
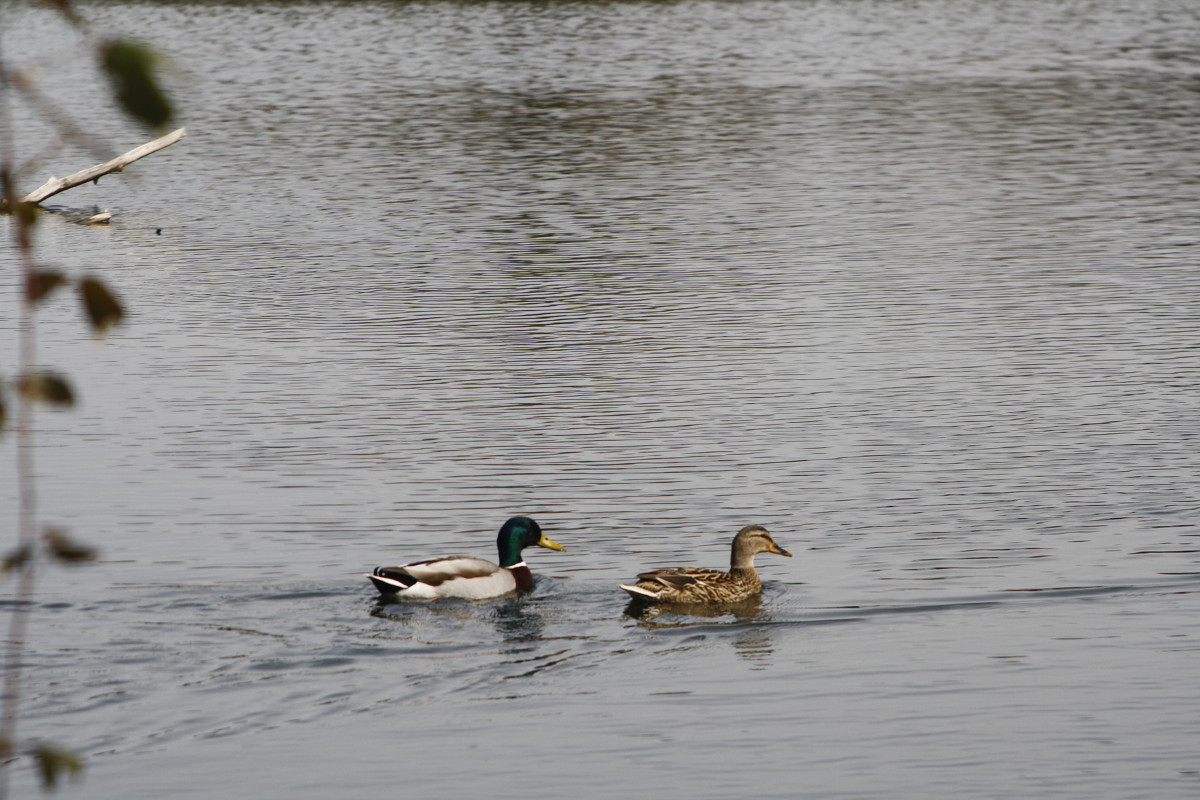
(681, 615)
(518, 621)
(748, 620)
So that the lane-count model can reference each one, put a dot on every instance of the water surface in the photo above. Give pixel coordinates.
(911, 284)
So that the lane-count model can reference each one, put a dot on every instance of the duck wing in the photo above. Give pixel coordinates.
(436, 571)
(682, 577)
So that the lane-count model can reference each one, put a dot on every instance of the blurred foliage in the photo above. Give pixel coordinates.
(41, 284)
(65, 8)
(54, 762)
(131, 71)
(102, 307)
(48, 388)
(66, 549)
(26, 215)
(15, 560)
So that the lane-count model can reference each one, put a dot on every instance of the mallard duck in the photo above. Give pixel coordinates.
(466, 576)
(699, 585)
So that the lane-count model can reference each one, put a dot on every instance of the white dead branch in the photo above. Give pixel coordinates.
(56, 185)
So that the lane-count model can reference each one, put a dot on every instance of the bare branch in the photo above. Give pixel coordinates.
(56, 185)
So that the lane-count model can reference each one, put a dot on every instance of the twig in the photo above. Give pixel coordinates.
(26, 515)
(56, 185)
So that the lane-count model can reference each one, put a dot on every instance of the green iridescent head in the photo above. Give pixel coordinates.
(519, 533)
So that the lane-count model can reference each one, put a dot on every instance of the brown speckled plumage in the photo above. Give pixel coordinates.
(698, 585)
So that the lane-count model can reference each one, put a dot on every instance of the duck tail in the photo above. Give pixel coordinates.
(390, 580)
(638, 591)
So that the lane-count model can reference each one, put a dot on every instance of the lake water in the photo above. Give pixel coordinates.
(912, 283)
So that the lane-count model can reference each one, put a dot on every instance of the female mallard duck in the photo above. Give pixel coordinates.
(465, 576)
(698, 585)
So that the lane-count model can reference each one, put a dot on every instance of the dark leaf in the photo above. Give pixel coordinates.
(54, 761)
(40, 284)
(26, 215)
(64, 548)
(102, 307)
(130, 69)
(8, 190)
(46, 387)
(15, 560)
(66, 9)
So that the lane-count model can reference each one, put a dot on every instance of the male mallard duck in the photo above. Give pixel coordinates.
(466, 576)
(698, 585)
